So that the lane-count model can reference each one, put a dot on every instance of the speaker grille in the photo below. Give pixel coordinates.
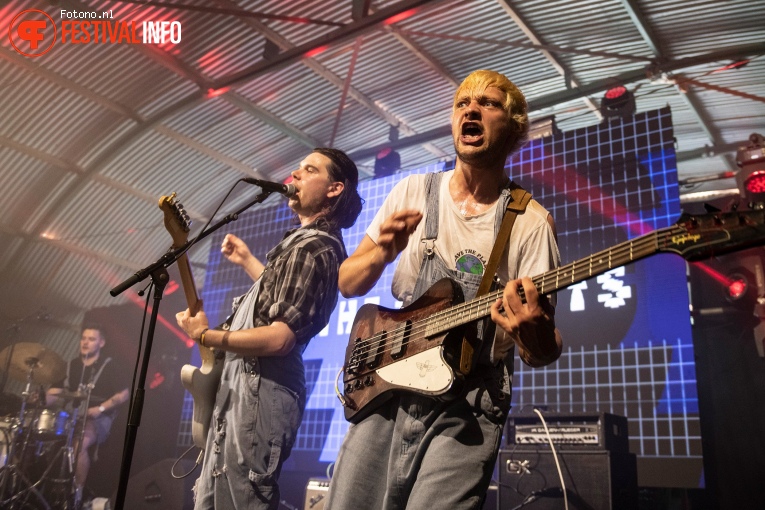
(597, 480)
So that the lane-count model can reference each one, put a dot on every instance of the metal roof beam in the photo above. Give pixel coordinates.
(592, 88)
(69, 167)
(708, 151)
(358, 96)
(642, 25)
(422, 54)
(346, 33)
(697, 109)
(650, 72)
(559, 66)
(270, 119)
(79, 250)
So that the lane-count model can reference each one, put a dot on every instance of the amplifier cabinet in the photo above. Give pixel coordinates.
(316, 494)
(595, 479)
(604, 431)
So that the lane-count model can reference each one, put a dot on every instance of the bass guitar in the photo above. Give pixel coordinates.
(201, 382)
(423, 347)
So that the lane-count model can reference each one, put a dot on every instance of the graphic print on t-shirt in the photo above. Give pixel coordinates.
(469, 261)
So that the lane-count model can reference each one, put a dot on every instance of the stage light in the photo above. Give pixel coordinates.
(388, 161)
(751, 160)
(618, 102)
(737, 287)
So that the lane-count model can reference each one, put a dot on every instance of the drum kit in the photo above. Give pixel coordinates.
(37, 456)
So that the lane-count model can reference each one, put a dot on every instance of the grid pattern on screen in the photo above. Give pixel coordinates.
(629, 381)
(603, 184)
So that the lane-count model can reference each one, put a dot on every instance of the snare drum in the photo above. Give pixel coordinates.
(52, 424)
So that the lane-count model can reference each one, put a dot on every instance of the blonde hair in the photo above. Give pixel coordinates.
(515, 103)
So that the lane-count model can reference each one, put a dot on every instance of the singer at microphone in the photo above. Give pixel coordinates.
(288, 190)
(290, 301)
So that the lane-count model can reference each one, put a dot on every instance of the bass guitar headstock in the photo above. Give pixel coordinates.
(703, 236)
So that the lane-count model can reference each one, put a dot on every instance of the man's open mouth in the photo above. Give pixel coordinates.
(471, 132)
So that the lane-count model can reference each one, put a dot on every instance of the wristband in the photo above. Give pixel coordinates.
(101, 409)
(202, 337)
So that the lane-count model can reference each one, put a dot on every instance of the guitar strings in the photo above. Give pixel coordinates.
(636, 249)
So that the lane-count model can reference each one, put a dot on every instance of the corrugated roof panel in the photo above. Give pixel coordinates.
(157, 100)
(158, 165)
(79, 222)
(301, 33)
(11, 243)
(692, 28)
(33, 183)
(358, 129)
(35, 216)
(286, 100)
(112, 136)
(53, 126)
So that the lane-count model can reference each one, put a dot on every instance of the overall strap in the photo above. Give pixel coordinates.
(432, 194)
(516, 206)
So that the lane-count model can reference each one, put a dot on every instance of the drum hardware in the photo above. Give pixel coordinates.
(38, 433)
(15, 488)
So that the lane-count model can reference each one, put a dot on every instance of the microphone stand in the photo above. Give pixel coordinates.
(159, 277)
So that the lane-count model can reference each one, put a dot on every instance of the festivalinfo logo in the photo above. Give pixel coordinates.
(33, 32)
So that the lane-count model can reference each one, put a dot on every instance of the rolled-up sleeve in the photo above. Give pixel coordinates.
(304, 291)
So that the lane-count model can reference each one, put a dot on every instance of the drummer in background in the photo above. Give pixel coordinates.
(109, 391)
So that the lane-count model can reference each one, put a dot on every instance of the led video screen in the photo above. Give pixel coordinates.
(627, 336)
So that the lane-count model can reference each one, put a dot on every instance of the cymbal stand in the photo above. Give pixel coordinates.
(11, 477)
(63, 492)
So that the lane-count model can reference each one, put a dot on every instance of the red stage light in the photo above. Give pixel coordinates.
(737, 288)
(618, 102)
(615, 92)
(755, 183)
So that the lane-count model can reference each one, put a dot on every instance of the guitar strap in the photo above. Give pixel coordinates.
(516, 206)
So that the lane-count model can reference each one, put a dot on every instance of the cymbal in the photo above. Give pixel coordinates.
(45, 365)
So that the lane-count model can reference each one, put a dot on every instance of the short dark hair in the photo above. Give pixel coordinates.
(96, 326)
(346, 207)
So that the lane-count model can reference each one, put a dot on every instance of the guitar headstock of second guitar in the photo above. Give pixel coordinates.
(703, 236)
(177, 221)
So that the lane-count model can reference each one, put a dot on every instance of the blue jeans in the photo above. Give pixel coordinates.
(418, 453)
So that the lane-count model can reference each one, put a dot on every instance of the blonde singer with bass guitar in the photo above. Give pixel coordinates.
(261, 397)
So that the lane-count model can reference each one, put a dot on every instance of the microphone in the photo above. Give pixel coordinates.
(287, 190)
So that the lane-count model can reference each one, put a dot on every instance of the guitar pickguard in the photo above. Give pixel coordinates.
(427, 372)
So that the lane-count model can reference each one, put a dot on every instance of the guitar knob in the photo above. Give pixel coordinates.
(348, 389)
(358, 384)
(369, 380)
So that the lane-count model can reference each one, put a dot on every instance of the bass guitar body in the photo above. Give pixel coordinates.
(388, 352)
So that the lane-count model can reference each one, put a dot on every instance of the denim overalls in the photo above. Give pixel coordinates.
(417, 452)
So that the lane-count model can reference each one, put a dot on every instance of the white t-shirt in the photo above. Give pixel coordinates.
(464, 242)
